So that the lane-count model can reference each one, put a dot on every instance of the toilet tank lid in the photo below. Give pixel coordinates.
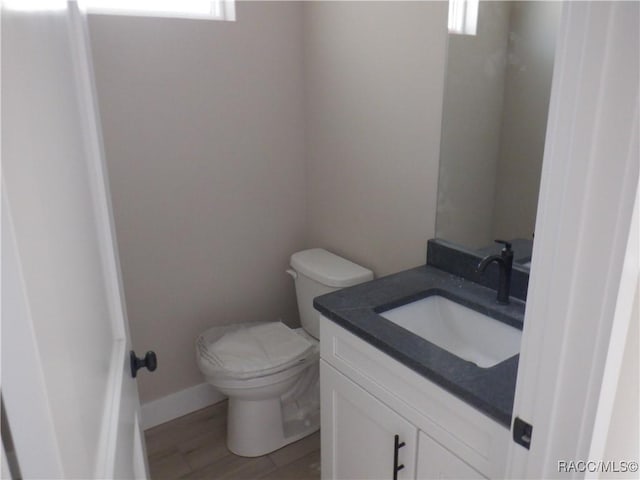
(329, 269)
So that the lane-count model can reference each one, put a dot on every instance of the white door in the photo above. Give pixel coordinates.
(362, 438)
(71, 402)
(590, 176)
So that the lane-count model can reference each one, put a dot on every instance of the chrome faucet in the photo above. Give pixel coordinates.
(505, 263)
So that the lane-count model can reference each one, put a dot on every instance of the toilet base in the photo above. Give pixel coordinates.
(268, 412)
(255, 428)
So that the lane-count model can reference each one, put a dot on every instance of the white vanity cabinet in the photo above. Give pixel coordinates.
(379, 416)
(435, 461)
(362, 436)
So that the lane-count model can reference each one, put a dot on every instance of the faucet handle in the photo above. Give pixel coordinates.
(507, 245)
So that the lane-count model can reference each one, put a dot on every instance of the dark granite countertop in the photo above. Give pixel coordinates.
(490, 390)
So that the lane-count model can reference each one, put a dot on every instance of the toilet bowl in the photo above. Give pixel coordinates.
(269, 371)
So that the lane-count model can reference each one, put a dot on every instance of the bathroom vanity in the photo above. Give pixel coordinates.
(400, 406)
(367, 399)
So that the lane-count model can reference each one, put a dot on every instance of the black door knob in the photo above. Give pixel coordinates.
(149, 361)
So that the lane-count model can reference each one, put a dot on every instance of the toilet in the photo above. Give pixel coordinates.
(270, 372)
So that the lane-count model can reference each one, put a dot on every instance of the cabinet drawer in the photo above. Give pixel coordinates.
(457, 426)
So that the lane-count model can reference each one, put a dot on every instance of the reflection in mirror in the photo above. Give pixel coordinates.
(496, 100)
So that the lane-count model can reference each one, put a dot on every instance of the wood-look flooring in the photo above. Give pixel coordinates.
(194, 447)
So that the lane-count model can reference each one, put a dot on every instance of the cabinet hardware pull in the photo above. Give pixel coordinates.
(397, 445)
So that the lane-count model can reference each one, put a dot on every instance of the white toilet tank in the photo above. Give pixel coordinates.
(316, 272)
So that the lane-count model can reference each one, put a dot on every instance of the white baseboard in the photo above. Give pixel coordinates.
(178, 404)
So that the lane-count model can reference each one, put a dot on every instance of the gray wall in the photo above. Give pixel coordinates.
(374, 80)
(231, 145)
(203, 131)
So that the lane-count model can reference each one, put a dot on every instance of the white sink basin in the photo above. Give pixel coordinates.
(461, 331)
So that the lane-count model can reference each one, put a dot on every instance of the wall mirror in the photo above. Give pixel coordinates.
(495, 108)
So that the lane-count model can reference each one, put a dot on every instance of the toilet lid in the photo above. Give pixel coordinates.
(254, 351)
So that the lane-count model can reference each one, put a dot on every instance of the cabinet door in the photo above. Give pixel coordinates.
(436, 462)
(358, 433)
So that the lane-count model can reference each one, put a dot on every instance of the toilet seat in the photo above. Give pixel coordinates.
(247, 351)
